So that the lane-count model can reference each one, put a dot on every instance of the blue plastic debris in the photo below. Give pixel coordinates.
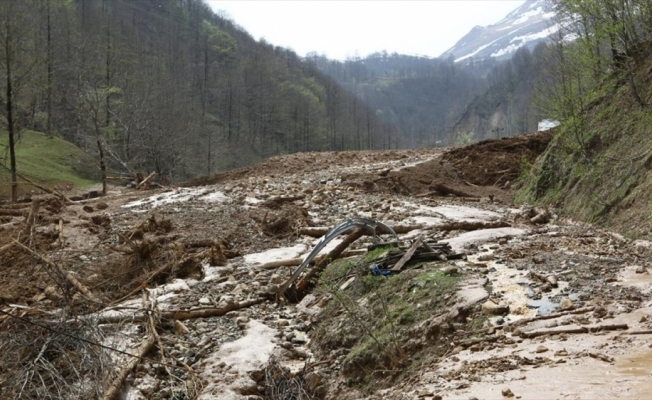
(375, 269)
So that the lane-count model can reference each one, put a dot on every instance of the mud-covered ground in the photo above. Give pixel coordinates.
(184, 278)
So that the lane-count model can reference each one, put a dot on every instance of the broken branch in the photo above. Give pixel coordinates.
(71, 279)
(115, 387)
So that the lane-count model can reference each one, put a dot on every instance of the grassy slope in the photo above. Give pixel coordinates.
(610, 183)
(46, 160)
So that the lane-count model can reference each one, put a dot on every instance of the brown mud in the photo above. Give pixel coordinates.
(546, 309)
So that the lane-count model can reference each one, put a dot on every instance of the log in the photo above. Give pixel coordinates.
(581, 329)
(6, 247)
(541, 218)
(304, 284)
(182, 314)
(8, 225)
(408, 255)
(471, 226)
(320, 231)
(61, 240)
(71, 279)
(601, 357)
(316, 232)
(646, 332)
(144, 181)
(114, 389)
(443, 189)
(295, 262)
(428, 194)
(13, 212)
(16, 206)
(525, 321)
(32, 216)
(43, 188)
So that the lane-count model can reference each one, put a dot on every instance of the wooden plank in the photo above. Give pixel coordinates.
(408, 255)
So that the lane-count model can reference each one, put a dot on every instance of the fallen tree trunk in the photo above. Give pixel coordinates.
(320, 231)
(113, 390)
(8, 225)
(43, 188)
(444, 190)
(13, 212)
(144, 181)
(471, 226)
(581, 329)
(71, 279)
(525, 321)
(306, 282)
(295, 262)
(181, 314)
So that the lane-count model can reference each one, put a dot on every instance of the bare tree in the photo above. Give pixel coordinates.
(16, 39)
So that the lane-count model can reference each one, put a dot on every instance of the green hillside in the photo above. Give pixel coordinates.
(599, 172)
(46, 160)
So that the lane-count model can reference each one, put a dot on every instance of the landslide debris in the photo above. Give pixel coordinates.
(485, 169)
(182, 278)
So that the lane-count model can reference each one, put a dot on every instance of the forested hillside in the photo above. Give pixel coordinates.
(508, 107)
(600, 88)
(420, 98)
(167, 86)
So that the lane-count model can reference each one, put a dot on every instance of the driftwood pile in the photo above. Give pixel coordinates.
(420, 251)
(48, 298)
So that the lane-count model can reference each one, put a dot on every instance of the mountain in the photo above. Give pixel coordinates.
(527, 26)
(417, 98)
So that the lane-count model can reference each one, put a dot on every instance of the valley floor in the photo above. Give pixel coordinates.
(551, 309)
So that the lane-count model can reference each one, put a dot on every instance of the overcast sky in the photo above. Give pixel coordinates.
(341, 29)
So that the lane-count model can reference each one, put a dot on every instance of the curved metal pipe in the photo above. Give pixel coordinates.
(351, 223)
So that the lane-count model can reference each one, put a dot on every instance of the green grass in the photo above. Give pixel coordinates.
(49, 161)
(374, 317)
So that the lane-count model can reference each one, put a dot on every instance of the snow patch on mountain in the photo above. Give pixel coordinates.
(526, 26)
(520, 41)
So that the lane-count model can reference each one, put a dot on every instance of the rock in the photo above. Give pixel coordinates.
(561, 353)
(88, 209)
(641, 270)
(566, 305)
(643, 319)
(486, 257)
(541, 349)
(507, 392)
(204, 301)
(491, 308)
(424, 393)
(450, 270)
